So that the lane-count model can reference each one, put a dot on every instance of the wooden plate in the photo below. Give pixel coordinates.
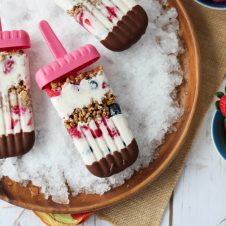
(28, 197)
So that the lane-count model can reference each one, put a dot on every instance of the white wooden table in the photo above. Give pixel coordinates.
(198, 200)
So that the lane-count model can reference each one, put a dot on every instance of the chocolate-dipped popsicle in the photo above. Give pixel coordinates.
(16, 124)
(88, 108)
(118, 24)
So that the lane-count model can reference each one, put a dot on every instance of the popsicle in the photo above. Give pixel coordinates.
(118, 24)
(88, 107)
(16, 121)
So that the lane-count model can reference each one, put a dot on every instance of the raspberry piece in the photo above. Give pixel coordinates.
(8, 66)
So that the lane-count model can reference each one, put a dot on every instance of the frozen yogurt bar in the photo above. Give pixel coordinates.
(95, 122)
(88, 108)
(16, 120)
(118, 24)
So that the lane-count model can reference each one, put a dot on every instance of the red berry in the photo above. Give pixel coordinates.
(223, 105)
(74, 133)
(52, 93)
(112, 13)
(98, 133)
(30, 122)
(104, 85)
(14, 123)
(18, 110)
(8, 66)
(87, 21)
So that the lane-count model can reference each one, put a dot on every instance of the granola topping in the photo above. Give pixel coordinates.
(75, 11)
(76, 79)
(95, 2)
(23, 93)
(2, 57)
(93, 111)
(10, 54)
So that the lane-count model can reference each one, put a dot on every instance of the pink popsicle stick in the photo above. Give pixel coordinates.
(65, 63)
(53, 42)
(15, 39)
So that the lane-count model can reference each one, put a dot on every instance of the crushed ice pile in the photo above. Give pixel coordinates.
(144, 77)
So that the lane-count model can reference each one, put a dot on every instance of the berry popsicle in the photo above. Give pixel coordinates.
(88, 107)
(118, 24)
(16, 124)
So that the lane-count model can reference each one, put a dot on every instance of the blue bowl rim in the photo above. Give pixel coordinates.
(216, 146)
(219, 6)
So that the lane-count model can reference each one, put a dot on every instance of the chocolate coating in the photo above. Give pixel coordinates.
(115, 162)
(16, 144)
(128, 30)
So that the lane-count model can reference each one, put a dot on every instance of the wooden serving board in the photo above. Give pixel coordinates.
(30, 198)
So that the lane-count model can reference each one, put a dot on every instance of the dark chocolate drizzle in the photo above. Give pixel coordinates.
(128, 30)
(16, 144)
(115, 162)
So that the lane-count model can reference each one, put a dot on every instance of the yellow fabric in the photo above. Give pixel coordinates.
(146, 209)
(53, 220)
(49, 221)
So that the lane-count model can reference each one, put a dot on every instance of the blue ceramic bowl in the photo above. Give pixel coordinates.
(220, 6)
(218, 134)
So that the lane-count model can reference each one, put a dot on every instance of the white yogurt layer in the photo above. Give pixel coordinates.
(79, 96)
(99, 19)
(14, 115)
(13, 69)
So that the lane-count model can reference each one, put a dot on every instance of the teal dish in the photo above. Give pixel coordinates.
(218, 134)
(212, 5)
